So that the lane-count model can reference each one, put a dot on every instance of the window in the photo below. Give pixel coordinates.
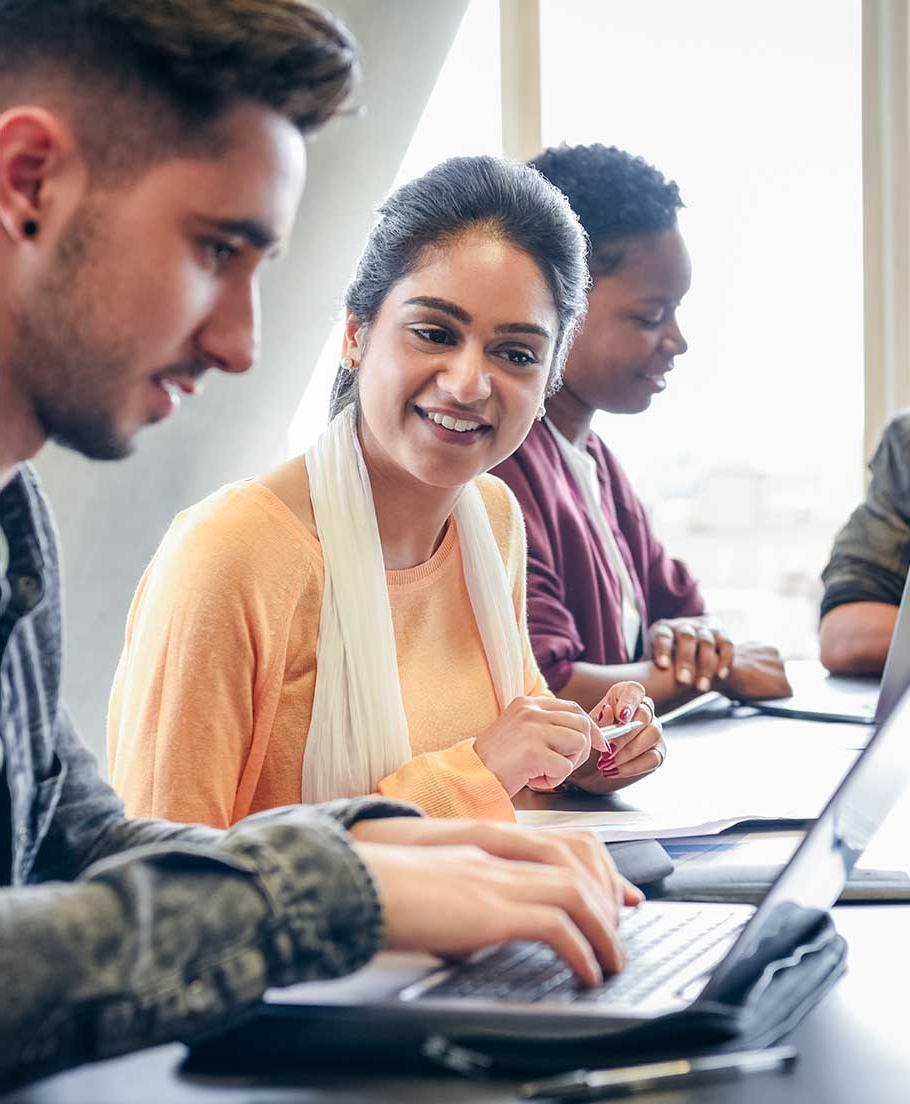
(750, 460)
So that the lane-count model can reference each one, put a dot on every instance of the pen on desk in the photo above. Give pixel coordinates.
(682, 1073)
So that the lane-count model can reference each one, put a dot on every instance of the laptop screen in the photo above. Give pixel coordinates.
(896, 676)
(818, 870)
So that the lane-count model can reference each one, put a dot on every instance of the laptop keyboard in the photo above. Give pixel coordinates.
(660, 945)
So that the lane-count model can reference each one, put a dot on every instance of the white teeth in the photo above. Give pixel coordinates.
(449, 422)
(173, 391)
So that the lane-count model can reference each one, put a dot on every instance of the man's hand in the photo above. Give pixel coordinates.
(462, 885)
(757, 672)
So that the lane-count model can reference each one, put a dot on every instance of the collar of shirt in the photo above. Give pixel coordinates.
(21, 561)
(4, 566)
(583, 468)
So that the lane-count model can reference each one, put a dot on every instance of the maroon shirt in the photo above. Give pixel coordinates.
(574, 594)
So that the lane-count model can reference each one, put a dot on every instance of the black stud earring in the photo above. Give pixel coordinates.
(30, 229)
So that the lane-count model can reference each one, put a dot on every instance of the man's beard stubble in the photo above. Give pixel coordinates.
(69, 374)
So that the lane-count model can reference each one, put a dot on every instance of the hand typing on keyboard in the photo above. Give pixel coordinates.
(469, 885)
(664, 946)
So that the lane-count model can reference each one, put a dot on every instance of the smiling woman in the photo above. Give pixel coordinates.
(354, 621)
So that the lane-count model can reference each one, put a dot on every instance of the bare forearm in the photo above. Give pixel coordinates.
(855, 637)
(589, 682)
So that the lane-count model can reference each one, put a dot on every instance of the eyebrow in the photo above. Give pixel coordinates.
(661, 300)
(461, 315)
(254, 232)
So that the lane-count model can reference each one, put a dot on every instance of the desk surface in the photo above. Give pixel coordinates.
(725, 764)
(853, 1046)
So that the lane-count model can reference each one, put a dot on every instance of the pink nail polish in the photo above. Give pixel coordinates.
(606, 760)
(611, 772)
(625, 714)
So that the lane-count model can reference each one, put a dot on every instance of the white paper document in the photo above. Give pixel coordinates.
(614, 827)
(730, 771)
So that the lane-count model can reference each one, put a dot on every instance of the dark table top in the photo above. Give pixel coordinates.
(853, 1047)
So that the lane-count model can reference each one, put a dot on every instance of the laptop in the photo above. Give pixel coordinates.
(676, 951)
(822, 697)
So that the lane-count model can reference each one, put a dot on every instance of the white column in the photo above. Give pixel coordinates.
(519, 36)
(886, 212)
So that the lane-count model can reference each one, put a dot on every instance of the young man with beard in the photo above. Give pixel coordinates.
(151, 158)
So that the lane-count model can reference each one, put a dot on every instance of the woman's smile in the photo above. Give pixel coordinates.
(452, 426)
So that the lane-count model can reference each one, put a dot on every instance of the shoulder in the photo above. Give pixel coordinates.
(499, 499)
(240, 536)
(897, 432)
(505, 516)
(290, 484)
(890, 465)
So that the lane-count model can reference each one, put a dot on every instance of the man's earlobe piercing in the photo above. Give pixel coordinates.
(30, 229)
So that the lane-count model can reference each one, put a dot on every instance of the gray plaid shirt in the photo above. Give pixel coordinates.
(871, 554)
(118, 934)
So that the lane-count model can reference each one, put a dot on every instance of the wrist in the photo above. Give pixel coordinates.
(500, 771)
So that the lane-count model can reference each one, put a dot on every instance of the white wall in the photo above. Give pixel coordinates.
(112, 516)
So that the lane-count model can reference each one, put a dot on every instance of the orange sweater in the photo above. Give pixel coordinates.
(212, 697)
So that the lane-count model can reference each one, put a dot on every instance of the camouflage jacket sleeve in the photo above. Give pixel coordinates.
(871, 554)
(171, 940)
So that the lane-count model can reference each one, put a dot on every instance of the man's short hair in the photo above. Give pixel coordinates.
(146, 79)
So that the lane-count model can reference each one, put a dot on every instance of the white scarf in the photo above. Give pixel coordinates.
(358, 728)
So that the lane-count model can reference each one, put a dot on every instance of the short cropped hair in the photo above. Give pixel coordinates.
(618, 197)
(147, 79)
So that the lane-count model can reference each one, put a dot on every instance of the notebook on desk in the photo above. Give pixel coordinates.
(820, 696)
(680, 957)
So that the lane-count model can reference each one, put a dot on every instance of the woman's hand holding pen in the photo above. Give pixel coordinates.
(629, 757)
(539, 741)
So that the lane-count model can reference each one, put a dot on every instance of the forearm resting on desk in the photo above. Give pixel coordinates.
(589, 682)
(854, 638)
(166, 942)
(756, 671)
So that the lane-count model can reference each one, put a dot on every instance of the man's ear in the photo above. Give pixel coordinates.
(36, 150)
(355, 335)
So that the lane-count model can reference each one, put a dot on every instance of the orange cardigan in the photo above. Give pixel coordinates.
(212, 697)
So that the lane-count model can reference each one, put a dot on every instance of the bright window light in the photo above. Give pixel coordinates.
(752, 459)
